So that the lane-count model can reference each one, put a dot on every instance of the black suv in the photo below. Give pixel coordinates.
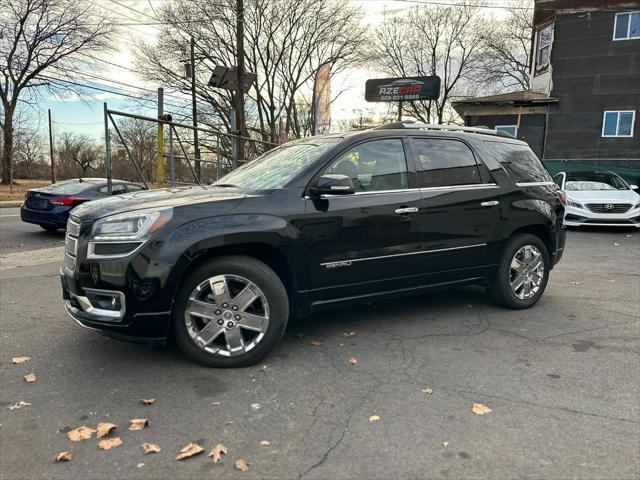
(318, 222)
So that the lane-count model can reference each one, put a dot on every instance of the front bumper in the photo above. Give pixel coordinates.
(575, 217)
(114, 322)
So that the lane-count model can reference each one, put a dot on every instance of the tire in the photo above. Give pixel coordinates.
(502, 291)
(49, 228)
(260, 324)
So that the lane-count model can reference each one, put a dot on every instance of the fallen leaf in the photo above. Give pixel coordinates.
(374, 418)
(64, 457)
(300, 335)
(148, 401)
(20, 404)
(104, 429)
(110, 443)
(480, 409)
(150, 448)
(428, 391)
(138, 423)
(80, 433)
(19, 360)
(217, 452)
(265, 443)
(315, 343)
(140, 465)
(445, 444)
(30, 378)
(352, 360)
(189, 451)
(242, 465)
(348, 334)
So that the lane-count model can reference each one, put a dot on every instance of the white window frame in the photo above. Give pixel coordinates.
(537, 67)
(615, 27)
(633, 123)
(508, 126)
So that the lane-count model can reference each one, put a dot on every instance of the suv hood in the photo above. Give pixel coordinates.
(165, 197)
(604, 196)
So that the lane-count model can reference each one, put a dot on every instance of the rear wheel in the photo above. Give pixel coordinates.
(523, 272)
(230, 312)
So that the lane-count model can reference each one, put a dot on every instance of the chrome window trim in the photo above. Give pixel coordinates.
(478, 186)
(536, 184)
(348, 262)
(475, 186)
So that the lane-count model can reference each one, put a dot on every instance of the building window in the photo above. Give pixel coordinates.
(618, 123)
(627, 26)
(510, 129)
(544, 37)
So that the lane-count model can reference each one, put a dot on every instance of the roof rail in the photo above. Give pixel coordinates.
(447, 128)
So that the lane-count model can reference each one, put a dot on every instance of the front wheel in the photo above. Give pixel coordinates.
(230, 312)
(523, 272)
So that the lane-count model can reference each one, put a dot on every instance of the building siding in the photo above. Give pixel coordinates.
(531, 127)
(592, 73)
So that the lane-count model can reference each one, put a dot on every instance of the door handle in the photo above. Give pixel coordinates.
(491, 203)
(405, 210)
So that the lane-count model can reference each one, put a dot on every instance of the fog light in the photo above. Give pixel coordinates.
(105, 301)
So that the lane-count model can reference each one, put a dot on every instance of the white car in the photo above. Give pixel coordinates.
(599, 199)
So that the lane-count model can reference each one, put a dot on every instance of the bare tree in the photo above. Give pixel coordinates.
(140, 138)
(75, 151)
(38, 36)
(508, 48)
(286, 41)
(442, 40)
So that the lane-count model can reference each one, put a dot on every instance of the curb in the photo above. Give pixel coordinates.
(10, 204)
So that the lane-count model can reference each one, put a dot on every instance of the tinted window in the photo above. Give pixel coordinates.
(444, 162)
(520, 162)
(116, 189)
(374, 166)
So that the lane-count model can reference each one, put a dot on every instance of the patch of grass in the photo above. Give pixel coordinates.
(20, 187)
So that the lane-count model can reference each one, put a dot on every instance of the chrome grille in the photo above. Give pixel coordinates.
(609, 207)
(71, 245)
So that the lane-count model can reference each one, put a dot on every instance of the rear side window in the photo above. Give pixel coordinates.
(520, 162)
(443, 163)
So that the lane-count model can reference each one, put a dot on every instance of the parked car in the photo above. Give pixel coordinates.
(599, 199)
(320, 222)
(49, 207)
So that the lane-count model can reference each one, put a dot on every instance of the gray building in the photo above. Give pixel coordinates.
(584, 95)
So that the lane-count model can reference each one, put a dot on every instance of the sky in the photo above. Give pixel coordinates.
(84, 113)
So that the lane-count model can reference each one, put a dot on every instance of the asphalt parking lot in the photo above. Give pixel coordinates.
(562, 381)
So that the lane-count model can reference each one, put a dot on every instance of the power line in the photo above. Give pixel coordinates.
(458, 4)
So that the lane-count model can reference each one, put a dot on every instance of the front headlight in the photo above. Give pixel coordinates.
(131, 225)
(573, 203)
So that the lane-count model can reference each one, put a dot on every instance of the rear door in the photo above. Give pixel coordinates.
(369, 241)
(460, 208)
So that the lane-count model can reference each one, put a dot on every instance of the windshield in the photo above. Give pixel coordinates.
(277, 167)
(594, 181)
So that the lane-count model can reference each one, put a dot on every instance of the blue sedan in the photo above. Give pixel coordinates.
(49, 207)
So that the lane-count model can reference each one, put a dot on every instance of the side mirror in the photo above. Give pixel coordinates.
(333, 184)
(634, 187)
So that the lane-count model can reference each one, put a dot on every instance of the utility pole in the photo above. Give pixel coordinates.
(53, 170)
(239, 97)
(160, 157)
(196, 143)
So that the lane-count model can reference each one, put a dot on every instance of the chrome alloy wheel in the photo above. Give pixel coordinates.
(526, 272)
(227, 315)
